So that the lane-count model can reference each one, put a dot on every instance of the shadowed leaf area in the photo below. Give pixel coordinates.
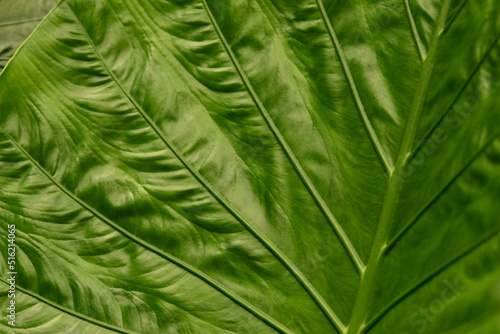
(17, 21)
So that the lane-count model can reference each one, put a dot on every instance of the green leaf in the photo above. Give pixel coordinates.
(17, 21)
(199, 166)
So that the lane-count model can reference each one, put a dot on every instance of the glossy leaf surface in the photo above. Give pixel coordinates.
(254, 167)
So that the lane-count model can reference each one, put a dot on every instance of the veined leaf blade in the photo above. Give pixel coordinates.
(221, 167)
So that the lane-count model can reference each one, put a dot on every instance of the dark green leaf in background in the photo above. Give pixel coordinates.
(17, 21)
(254, 166)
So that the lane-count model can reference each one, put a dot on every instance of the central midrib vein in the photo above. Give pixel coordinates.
(366, 292)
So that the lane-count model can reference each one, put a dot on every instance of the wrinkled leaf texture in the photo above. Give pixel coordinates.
(203, 166)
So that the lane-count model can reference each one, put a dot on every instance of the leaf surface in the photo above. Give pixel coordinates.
(254, 166)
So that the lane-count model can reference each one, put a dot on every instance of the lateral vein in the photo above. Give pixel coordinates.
(358, 263)
(383, 156)
(414, 31)
(289, 265)
(13, 23)
(461, 91)
(386, 309)
(455, 15)
(71, 312)
(414, 220)
(183, 265)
